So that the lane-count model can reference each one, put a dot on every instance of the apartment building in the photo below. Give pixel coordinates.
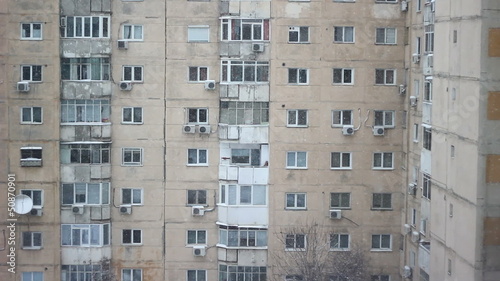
(185, 140)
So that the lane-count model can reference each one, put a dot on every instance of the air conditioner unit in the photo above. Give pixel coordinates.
(122, 44)
(210, 85)
(23, 86)
(415, 236)
(406, 272)
(378, 130)
(258, 47)
(36, 212)
(413, 101)
(197, 211)
(348, 130)
(77, 209)
(335, 214)
(406, 228)
(62, 21)
(415, 58)
(404, 6)
(402, 89)
(412, 189)
(125, 209)
(204, 129)
(199, 251)
(125, 86)
(189, 129)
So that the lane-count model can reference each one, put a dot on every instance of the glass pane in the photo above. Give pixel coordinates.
(259, 194)
(138, 73)
(301, 159)
(304, 34)
(138, 114)
(137, 236)
(127, 115)
(193, 73)
(94, 234)
(292, 75)
(245, 194)
(290, 159)
(138, 32)
(192, 156)
(94, 194)
(202, 239)
(137, 196)
(301, 200)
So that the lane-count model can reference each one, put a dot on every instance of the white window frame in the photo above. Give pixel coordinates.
(199, 235)
(85, 69)
(234, 195)
(247, 113)
(199, 275)
(132, 234)
(133, 196)
(133, 151)
(344, 30)
(418, 6)
(201, 33)
(32, 112)
(342, 165)
(428, 90)
(429, 39)
(84, 189)
(418, 45)
(341, 201)
(198, 70)
(379, 201)
(197, 197)
(32, 276)
(387, 1)
(341, 119)
(426, 186)
(30, 235)
(136, 115)
(294, 117)
(31, 153)
(32, 75)
(242, 237)
(228, 25)
(132, 35)
(258, 70)
(386, 38)
(293, 237)
(295, 155)
(299, 31)
(415, 132)
(132, 77)
(197, 161)
(252, 153)
(426, 137)
(380, 239)
(84, 111)
(84, 150)
(31, 27)
(413, 217)
(382, 156)
(386, 119)
(129, 274)
(297, 78)
(86, 24)
(339, 245)
(385, 76)
(197, 112)
(294, 196)
(343, 76)
(89, 229)
(36, 196)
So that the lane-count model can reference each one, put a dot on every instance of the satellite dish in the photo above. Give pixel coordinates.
(23, 204)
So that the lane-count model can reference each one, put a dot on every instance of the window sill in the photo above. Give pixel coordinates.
(131, 165)
(339, 42)
(381, 209)
(131, 245)
(298, 126)
(31, 248)
(342, 84)
(31, 39)
(131, 123)
(384, 85)
(30, 123)
(196, 165)
(296, 168)
(295, 250)
(340, 208)
(85, 123)
(241, 248)
(243, 83)
(381, 250)
(340, 250)
(341, 169)
(383, 169)
(299, 43)
(295, 209)
(298, 84)
(385, 44)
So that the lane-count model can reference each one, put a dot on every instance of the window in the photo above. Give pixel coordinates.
(234, 272)
(197, 115)
(84, 272)
(85, 111)
(243, 195)
(340, 200)
(404, 118)
(384, 118)
(132, 236)
(245, 71)
(85, 193)
(197, 157)
(343, 76)
(385, 76)
(294, 278)
(382, 201)
(132, 32)
(427, 137)
(31, 156)
(32, 240)
(197, 197)
(381, 242)
(86, 27)
(386, 1)
(426, 186)
(132, 115)
(232, 236)
(380, 278)
(35, 195)
(295, 201)
(418, 5)
(132, 156)
(196, 237)
(32, 276)
(298, 76)
(295, 242)
(298, 34)
(383, 161)
(31, 115)
(31, 31)
(198, 33)
(32, 73)
(196, 275)
(340, 160)
(428, 90)
(129, 274)
(78, 69)
(339, 241)
(85, 153)
(85, 235)
(343, 34)
(386, 35)
(297, 118)
(245, 156)
(418, 46)
(413, 216)
(132, 73)
(415, 132)
(296, 160)
(132, 196)
(423, 226)
(341, 118)
(245, 29)
(198, 73)
(244, 112)
(429, 39)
